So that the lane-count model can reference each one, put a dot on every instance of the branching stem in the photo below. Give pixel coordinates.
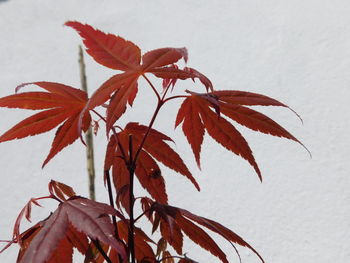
(153, 88)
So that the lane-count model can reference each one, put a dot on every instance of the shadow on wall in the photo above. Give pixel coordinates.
(2, 1)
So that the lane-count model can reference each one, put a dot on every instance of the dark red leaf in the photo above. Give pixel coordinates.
(36, 101)
(172, 233)
(26, 238)
(47, 240)
(77, 239)
(36, 124)
(219, 229)
(119, 100)
(71, 94)
(147, 171)
(67, 133)
(25, 212)
(195, 113)
(196, 74)
(174, 73)
(227, 135)
(162, 57)
(200, 237)
(97, 225)
(63, 253)
(64, 104)
(161, 246)
(107, 49)
(192, 126)
(149, 175)
(174, 219)
(60, 190)
(249, 99)
(124, 88)
(254, 120)
(160, 150)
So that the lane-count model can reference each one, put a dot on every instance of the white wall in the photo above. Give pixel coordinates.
(295, 51)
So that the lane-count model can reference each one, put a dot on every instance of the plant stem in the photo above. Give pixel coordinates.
(159, 105)
(131, 164)
(111, 202)
(153, 88)
(88, 136)
(175, 97)
(131, 168)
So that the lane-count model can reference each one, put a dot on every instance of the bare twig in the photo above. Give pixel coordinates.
(88, 136)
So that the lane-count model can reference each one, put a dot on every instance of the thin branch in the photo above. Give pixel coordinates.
(111, 202)
(160, 104)
(131, 168)
(175, 97)
(153, 88)
(88, 135)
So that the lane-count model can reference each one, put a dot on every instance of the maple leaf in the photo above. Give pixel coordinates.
(25, 238)
(147, 170)
(171, 232)
(60, 190)
(96, 225)
(173, 73)
(62, 104)
(156, 146)
(176, 220)
(25, 212)
(107, 49)
(117, 53)
(197, 116)
(64, 250)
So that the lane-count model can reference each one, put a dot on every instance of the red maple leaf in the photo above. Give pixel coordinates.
(155, 149)
(56, 232)
(61, 104)
(117, 53)
(176, 221)
(202, 112)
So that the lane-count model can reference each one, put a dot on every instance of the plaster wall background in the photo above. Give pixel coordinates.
(295, 51)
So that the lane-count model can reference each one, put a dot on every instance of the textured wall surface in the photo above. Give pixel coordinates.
(295, 51)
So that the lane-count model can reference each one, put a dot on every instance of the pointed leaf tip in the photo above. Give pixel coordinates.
(107, 49)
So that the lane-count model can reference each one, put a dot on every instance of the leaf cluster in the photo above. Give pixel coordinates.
(109, 233)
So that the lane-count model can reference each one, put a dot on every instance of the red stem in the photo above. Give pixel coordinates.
(131, 168)
(111, 202)
(175, 97)
(153, 88)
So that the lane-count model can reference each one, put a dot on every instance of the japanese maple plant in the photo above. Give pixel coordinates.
(111, 232)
